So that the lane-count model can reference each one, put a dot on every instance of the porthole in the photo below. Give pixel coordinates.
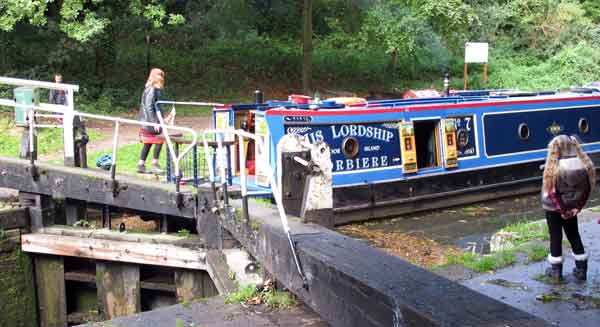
(584, 126)
(350, 147)
(523, 131)
(463, 138)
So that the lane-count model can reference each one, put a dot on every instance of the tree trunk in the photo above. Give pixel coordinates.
(307, 48)
(147, 53)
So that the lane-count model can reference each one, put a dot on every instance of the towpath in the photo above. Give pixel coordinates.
(565, 304)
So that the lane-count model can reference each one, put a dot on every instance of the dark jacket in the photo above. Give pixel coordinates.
(572, 189)
(57, 97)
(148, 108)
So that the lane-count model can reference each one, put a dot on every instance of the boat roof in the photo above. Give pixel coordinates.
(458, 99)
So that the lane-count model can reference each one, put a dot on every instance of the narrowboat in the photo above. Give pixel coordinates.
(403, 155)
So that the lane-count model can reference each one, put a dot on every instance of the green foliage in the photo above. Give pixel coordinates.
(526, 231)
(223, 50)
(49, 139)
(275, 299)
(483, 263)
(535, 252)
(83, 20)
(572, 66)
(592, 9)
(81, 29)
(546, 25)
(82, 223)
(243, 294)
(14, 11)
(450, 18)
(183, 233)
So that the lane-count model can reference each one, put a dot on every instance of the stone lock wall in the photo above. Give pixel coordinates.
(17, 291)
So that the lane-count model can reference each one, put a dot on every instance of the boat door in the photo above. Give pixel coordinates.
(449, 141)
(427, 143)
(261, 155)
(407, 147)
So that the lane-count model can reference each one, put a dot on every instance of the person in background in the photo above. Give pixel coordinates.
(150, 135)
(569, 178)
(57, 96)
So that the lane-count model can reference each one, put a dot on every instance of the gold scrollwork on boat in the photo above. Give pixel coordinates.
(554, 129)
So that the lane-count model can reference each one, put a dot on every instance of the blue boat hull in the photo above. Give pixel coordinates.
(500, 145)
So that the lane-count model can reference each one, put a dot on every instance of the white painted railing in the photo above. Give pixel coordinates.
(67, 109)
(67, 113)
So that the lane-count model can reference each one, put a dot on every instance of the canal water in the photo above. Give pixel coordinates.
(467, 227)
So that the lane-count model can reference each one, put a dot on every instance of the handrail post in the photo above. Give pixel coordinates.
(32, 144)
(69, 144)
(223, 166)
(113, 166)
(242, 163)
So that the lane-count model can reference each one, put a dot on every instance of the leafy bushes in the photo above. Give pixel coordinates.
(572, 66)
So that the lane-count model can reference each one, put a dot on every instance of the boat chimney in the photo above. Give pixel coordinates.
(446, 85)
(258, 97)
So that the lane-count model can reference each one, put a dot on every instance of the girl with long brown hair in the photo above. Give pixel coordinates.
(569, 178)
(148, 113)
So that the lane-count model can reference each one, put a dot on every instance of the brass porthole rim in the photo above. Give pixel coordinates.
(354, 152)
(527, 131)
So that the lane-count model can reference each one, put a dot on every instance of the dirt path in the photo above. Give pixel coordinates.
(127, 133)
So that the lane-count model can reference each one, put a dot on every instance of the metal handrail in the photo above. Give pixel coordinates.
(117, 121)
(44, 85)
(272, 180)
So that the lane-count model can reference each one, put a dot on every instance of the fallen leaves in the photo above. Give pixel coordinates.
(414, 249)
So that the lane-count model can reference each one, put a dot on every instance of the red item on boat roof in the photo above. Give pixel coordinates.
(416, 94)
(299, 98)
(350, 101)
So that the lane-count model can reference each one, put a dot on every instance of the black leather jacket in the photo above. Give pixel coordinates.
(148, 107)
(57, 97)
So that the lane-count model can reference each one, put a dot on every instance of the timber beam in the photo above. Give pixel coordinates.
(96, 186)
(167, 255)
(352, 284)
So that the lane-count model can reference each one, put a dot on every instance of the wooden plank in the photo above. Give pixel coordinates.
(84, 276)
(95, 186)
(190, 241)
(159, 283)
(50, 282)
(118, 289)
(14, 218)
(132, 252)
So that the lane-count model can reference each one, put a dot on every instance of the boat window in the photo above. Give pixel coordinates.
(584, 126)
(426, 139)
(523, 131)
(350, 147)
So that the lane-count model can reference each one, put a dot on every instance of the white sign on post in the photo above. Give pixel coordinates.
(476, 52)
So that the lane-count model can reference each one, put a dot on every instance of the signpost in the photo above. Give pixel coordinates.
(476, 52)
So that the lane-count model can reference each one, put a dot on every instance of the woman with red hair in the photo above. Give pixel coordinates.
(150, 135)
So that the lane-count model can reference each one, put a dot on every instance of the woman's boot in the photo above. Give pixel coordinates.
(555, 270)
(580, 270)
